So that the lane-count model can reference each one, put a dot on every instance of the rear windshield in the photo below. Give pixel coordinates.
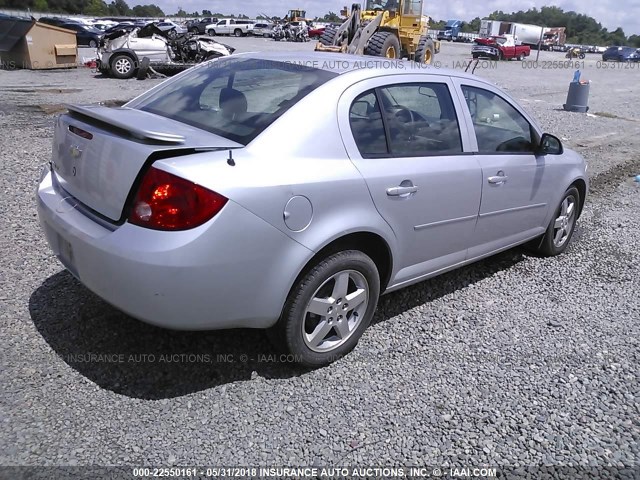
(235, 98)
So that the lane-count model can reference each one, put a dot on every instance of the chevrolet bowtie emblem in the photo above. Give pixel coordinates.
(75, 151)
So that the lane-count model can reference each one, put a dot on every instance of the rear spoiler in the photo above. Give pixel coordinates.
(113, 117)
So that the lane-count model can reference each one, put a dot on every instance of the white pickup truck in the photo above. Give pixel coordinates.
(230, 26)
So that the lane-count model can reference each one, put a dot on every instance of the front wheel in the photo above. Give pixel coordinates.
(425, 51)
(329, 309)
(237, 32)
(383, 44)
(211, 32)
(328, 36)
(93, 43)
(562, 225)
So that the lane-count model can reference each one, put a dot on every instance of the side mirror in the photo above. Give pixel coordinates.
(360, 108)
(550, 145)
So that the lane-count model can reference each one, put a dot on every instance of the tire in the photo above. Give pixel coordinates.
(237, 32)
(211, 32)
(171, 34)
(318, 339)
(328, 36)
(194, 30)
(521, 57)
(425, 51)
(123, 66)
(553, 243)
(143, 69)
(93, 44)
(383, 44)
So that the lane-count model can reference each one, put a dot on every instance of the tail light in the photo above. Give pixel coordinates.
(167, 202)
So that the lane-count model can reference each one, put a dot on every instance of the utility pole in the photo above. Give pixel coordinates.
(540, 43)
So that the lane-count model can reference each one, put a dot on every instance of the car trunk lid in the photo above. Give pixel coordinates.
(99, 152)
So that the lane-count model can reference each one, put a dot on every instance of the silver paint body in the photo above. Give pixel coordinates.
(287, 201)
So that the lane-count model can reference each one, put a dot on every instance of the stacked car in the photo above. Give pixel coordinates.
(131, 50)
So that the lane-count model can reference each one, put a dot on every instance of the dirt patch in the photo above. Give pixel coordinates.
(48, 109)
(612, 115)
(604, 182)
(44, 90)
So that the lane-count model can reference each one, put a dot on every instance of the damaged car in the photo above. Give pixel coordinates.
(131, 50)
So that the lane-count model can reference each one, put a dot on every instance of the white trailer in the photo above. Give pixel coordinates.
(490, 28)
(525, 34)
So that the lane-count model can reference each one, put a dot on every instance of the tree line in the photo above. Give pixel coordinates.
(95, 8)
(581, 29)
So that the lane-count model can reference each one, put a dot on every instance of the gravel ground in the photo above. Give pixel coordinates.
(514, 361)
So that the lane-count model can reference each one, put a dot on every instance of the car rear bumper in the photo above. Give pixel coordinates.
(234, 271)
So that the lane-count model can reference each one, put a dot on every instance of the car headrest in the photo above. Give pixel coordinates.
(232, 101)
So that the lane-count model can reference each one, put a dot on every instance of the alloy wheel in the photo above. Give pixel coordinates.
(335, 311)
(122, 66)
(563, 224)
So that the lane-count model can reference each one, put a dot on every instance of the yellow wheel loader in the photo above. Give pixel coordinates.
(296, 16)
(384, 28)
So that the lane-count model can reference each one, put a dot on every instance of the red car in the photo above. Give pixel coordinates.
(499, 48)
(316, 32)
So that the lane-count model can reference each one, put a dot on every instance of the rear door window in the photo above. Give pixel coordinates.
(368, 130)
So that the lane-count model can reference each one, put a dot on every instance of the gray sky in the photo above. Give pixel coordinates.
(611, 13)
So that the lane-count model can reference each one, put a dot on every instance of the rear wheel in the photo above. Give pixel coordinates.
(521, 57)
(425, 51)
(383, 44)
(329, 309)
(122, 66)
(328, 36)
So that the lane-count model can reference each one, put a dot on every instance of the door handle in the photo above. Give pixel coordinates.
(498, 179)
(401, 191)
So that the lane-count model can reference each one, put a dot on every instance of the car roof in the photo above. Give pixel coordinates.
(342, 64)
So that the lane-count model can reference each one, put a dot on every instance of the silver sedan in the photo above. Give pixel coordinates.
(271, 191)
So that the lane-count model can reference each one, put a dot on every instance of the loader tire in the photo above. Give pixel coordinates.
(383, 44)
(328, 36)
(425, 51)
